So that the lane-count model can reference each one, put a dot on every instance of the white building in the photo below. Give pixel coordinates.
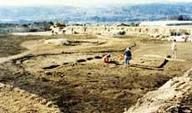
(166, 23)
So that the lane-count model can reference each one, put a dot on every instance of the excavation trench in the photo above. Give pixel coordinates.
(25, 57)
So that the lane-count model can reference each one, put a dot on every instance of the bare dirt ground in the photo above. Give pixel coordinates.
(178, 100)
(74, 79)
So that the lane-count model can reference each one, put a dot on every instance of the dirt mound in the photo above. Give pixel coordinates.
(168, 98)
(19, 98)
(57, 42)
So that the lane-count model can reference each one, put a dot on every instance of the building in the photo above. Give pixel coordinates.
(166, 23)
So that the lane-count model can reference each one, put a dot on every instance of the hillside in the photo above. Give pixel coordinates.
(125, 13)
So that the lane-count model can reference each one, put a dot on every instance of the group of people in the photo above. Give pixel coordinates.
(127, 56)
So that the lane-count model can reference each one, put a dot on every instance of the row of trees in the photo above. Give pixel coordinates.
(181, 18)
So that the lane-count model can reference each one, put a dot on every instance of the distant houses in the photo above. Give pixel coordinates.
(158, 29)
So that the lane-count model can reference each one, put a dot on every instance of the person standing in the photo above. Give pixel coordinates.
(127, 55)
(174, 49)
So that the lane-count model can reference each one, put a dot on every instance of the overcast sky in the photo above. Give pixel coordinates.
(83, 3)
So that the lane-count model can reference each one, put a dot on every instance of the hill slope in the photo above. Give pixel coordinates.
(102, 14)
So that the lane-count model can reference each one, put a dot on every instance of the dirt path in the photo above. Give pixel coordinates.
(33, 33)
(16, 57)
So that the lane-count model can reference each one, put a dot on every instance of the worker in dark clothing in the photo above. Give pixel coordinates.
(127, 55)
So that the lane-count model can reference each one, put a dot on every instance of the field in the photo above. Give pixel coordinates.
(73, 79)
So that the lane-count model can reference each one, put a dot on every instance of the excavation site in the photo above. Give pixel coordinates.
(67, 74)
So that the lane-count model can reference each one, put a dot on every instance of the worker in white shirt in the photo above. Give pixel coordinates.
(174, 49)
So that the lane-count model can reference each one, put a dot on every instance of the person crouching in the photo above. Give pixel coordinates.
(106, 58)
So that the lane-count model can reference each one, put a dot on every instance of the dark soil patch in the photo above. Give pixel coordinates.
(10, 45)
(86, 88)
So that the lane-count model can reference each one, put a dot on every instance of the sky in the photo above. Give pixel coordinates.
(81, 3)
